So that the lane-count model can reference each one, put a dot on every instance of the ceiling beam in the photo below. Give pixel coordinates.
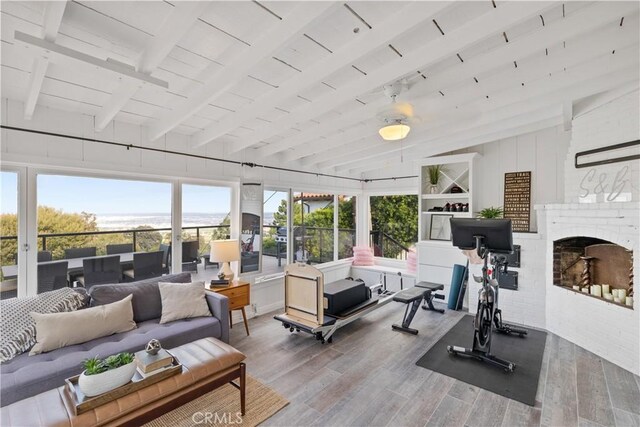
(583, 25)
(115, 103)
(38, 72)
(80, 57)
(54, 10)
(488, 24)
(555, 95)
(175, 27)
(219, 82)
(401, 22)
(53, 14)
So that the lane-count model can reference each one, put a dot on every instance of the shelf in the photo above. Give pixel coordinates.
(441, 196)
(467, 214)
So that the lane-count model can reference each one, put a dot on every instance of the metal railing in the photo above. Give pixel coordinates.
(387, 245)
(44, 238)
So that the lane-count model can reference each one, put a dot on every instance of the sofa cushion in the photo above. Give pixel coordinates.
(182, 301)
(26, 376)
(147, 304)
(57, 330)
(18, 328)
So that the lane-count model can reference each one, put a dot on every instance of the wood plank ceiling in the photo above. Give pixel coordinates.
(301, 82)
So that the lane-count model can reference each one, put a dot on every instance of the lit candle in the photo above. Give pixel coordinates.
(605, 289)
(585, 290)
(596, 290)
(618, 300)
(576, 287)
(622, 294)
(608, 297)
(629, 301)
(615, 292)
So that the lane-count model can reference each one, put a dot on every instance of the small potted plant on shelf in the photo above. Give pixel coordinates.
(434, 177)
(491, 212)
(100, 376)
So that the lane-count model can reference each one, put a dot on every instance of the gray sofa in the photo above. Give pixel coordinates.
(26, 376)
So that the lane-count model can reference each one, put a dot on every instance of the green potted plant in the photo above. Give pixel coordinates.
(491, 212)
(102, 375)
(434, 177)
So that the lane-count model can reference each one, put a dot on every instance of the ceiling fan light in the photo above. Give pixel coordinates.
(394, 132)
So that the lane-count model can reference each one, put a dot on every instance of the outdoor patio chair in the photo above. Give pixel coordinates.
(52, 276)
(120, 248)
(100, 270)
(166, 258)
(190, 256)
(44, 256)
(79, 253)
(145, 265)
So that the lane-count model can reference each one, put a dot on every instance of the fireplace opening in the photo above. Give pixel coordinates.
(594, 267)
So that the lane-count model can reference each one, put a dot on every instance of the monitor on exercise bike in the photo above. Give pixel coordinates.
(497, 235)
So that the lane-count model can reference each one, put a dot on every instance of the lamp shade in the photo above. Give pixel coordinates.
(225, 250)
(394, 132)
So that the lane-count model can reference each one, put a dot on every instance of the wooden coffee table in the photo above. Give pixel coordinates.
(207, 364)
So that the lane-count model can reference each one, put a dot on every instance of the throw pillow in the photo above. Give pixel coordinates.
(183, 301)
(57, 330)
(146, 302)
(18, 329)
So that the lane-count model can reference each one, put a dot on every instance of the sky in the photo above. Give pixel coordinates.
(110, 196)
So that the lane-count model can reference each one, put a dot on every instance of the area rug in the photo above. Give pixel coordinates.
(526, 353)
(221, 407)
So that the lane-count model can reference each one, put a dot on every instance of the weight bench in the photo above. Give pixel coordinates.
(412, 297)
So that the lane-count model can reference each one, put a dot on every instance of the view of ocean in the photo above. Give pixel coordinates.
(162, 220)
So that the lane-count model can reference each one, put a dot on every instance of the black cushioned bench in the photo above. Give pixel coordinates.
(412, 297)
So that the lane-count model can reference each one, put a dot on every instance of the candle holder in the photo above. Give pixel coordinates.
(585, 279)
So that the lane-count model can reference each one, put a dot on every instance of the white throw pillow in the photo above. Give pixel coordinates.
(57, 330)
(183, 301)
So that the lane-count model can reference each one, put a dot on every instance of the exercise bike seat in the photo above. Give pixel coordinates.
(430, 286)
(409, 295)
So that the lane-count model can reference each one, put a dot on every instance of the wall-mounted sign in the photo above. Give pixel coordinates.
(517, 199)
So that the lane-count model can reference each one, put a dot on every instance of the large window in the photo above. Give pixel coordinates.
(346, 226)
(79, 217)
(206, 216)
(394, 225)
(9, 234)
(274, 247)
(313, 229)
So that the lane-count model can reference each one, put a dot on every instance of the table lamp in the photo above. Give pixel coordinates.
(225, 251)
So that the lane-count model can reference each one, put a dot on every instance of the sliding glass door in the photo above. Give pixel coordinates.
(9, 253)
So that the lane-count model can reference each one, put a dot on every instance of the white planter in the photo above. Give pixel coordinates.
(93, 385)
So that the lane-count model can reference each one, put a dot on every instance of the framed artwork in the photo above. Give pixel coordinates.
(440, 227)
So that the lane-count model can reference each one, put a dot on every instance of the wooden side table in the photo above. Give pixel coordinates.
(239, 294)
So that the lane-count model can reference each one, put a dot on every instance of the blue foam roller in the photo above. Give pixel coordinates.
(457, 279)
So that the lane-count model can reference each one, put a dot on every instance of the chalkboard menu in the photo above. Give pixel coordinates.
(517, 199)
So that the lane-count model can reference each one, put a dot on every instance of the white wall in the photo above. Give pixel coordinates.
(613, 123)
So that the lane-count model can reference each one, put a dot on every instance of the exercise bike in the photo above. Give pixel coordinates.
(500, 264)
(486, 236)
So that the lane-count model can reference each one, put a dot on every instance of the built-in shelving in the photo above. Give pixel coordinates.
(456, 171)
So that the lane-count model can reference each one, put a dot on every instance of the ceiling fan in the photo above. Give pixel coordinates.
(397, 116)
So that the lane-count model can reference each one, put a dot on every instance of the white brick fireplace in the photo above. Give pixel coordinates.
(601, 202)
(607, 329)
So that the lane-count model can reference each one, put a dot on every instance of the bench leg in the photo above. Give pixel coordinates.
(243, 369)
(409, 312)
(428, 305)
